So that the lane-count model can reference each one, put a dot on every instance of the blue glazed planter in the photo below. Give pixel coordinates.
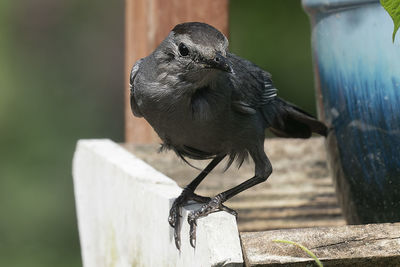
(357, 72)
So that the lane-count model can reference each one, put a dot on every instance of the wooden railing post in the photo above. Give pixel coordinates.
(147, 23)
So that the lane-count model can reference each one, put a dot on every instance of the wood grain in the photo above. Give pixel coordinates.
(147, 23)
(346, 246)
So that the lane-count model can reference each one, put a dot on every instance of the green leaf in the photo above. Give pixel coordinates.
(393, 8)
(312, 255)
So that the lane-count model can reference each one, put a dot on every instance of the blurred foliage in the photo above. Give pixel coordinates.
(275, 34)
(62, 79)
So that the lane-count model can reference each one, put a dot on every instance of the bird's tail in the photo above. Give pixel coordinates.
(288, 120)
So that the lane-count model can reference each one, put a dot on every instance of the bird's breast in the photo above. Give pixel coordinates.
(198, 121)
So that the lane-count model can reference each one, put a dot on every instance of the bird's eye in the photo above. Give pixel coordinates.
(183, 50)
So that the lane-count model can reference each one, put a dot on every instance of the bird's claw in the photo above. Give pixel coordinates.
(175, 212)
(174, 215)
(192, 233)
(214, 205)
(174, 221)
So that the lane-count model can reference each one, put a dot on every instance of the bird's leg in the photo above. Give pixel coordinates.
(187, 195)
(263, 170)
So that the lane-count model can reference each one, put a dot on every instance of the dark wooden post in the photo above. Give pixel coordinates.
(147, 23)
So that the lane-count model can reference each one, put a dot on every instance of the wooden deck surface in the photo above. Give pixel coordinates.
(298, 194)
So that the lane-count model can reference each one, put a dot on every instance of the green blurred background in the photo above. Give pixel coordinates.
(61, 79)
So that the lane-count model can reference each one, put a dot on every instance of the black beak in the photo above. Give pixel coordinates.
(219, 62)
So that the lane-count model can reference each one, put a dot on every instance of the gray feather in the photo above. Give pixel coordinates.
(208, 102)
(134, 71)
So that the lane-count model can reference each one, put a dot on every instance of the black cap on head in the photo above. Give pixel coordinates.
(200, 33)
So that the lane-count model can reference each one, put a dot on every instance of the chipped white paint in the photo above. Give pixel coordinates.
(123, 205)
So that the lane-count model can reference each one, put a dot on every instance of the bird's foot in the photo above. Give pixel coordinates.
(214, 205)
(175, 211)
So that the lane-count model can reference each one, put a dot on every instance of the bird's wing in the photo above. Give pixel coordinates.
(253, 91)
(134, 71)
(253, 87)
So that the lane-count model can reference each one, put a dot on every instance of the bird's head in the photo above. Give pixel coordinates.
(194, 53)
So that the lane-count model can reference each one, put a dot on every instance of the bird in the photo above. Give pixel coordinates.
(206, 103)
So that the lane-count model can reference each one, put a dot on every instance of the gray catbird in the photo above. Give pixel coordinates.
(207, 103)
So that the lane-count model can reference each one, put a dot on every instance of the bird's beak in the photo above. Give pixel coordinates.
(219, 62)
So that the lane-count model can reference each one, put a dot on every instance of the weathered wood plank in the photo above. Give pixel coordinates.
(122, 208)
(147, 23)
(356, 246)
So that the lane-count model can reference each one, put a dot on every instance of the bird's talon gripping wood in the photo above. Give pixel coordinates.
(192, 232)
(175, 211)
(214, 205)
(207, 103)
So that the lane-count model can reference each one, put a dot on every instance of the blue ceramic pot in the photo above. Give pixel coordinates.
(357, 73)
